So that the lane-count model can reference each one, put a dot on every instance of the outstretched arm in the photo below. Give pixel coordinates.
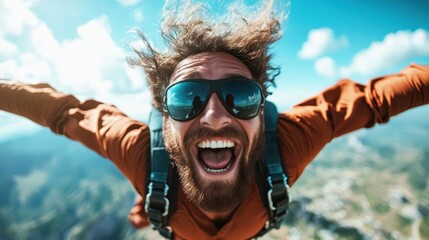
(101, 127)
(37, 102)
(345, 107)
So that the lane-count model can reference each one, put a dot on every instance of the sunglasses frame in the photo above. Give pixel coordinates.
(215, 86)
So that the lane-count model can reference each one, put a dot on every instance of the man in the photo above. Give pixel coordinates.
(215, 148)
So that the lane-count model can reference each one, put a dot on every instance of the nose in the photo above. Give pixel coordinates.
(215, 115)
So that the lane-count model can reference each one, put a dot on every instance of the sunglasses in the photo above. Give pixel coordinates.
(241, 97)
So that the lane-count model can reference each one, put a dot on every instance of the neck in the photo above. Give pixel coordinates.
(219, 218)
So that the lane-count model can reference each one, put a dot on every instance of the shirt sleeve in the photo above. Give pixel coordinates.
(100, 127)
(345, 107)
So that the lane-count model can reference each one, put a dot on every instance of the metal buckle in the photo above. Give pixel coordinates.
(149, 194)
(269, 193)
(268, 224)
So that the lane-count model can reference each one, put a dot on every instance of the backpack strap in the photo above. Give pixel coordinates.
(161, 197)
(271, 178)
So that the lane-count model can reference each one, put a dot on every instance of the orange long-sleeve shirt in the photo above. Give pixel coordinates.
(302, 132)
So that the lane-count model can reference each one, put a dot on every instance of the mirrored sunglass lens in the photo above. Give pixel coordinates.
(184, 100)
(243, 98)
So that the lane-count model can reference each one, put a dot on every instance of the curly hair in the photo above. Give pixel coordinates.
(187, 32)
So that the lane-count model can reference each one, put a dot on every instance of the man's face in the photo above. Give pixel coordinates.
(215, 152)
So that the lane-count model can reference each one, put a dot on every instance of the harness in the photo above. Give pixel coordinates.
(162, 183)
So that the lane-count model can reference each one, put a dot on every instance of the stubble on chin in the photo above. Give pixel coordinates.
(214, 196)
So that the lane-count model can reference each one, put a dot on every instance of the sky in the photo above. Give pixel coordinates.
(80, 46)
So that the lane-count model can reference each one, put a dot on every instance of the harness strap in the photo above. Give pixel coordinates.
(274, 189)
(161, 197)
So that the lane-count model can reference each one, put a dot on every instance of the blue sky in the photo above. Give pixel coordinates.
(79, 46)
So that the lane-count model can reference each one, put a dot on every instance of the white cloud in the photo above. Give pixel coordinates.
(138, 15)
(89, 64)
(136, 78)
(43, 42)
(128, 3)
(7, 48)
(34, 67)
(321, 41)
(325, 67)
(354, 140)
(394, 48)
(27, 68)
(14, 16)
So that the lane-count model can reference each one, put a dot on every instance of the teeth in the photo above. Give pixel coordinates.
(216, 144)
(217, 170)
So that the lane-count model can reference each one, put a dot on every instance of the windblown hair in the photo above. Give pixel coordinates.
(186, 32)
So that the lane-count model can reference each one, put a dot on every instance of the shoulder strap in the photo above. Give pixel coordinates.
(161, 197)
(270, 176)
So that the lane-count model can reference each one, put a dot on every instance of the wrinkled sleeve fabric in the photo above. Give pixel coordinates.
(100, 127)
(345, 107)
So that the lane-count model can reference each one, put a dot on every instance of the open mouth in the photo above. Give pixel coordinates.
(216, 156)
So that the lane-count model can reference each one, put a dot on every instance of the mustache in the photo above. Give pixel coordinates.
(204, 133)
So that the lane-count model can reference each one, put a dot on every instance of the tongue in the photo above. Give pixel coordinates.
(216, 159)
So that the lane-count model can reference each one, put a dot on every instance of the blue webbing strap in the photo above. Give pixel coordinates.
(159, 192)
(272, 180)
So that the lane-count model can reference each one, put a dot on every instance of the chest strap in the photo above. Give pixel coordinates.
(161, 197)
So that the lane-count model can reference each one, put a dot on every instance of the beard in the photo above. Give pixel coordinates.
(210, 195)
